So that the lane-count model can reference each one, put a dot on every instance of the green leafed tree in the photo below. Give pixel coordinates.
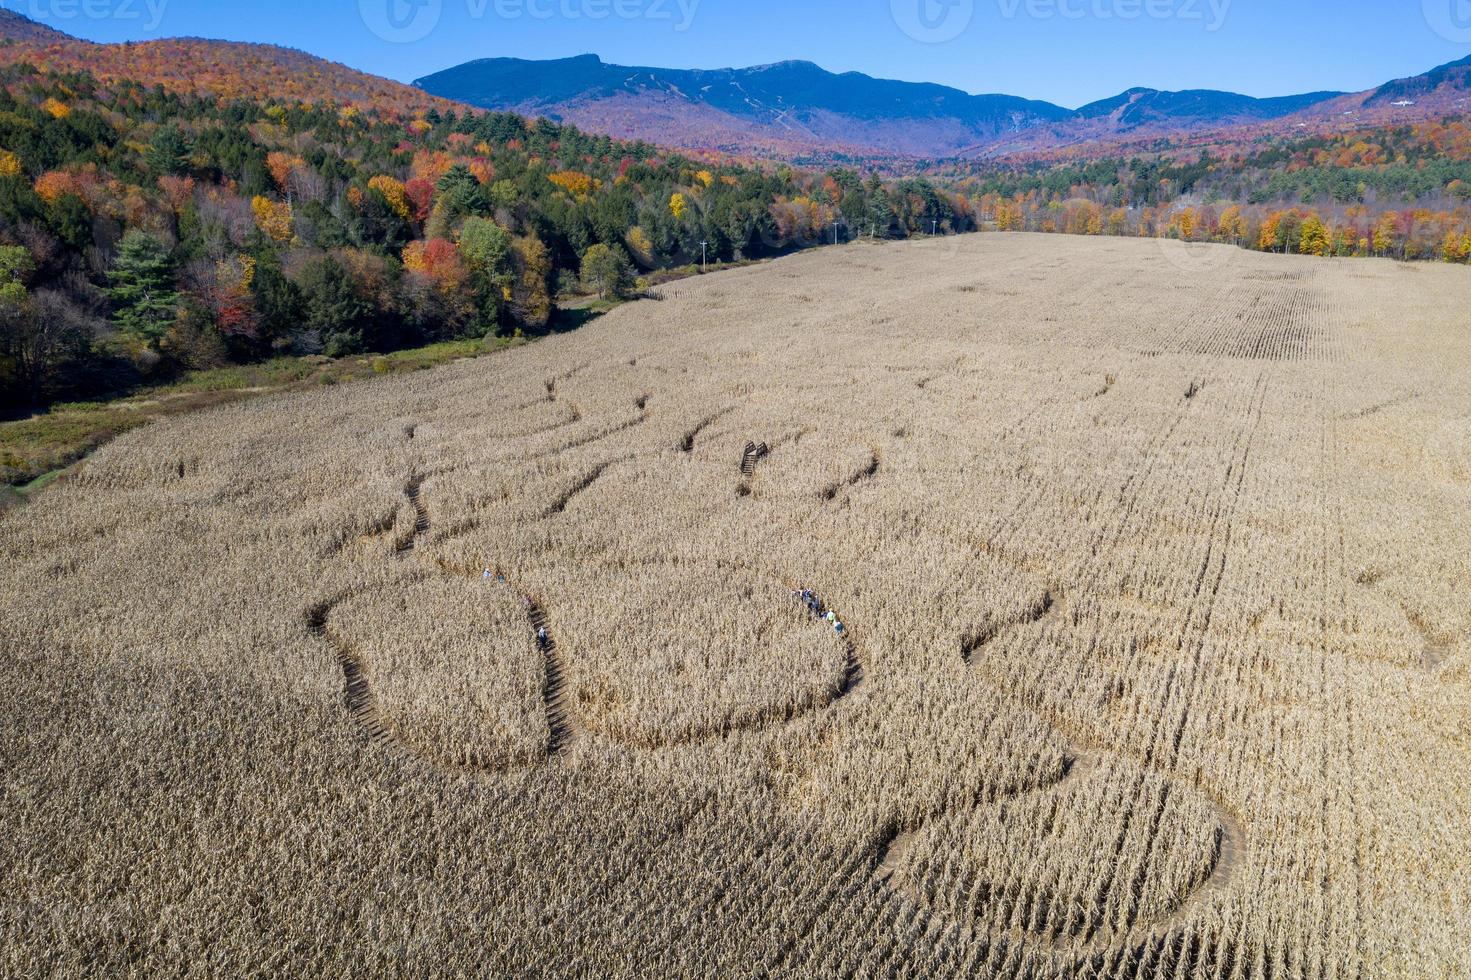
(144, 300)
(607, 271)
(489, 252)
(40, 331)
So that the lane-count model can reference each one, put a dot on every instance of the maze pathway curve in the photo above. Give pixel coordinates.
(895, 849)
(891, 859)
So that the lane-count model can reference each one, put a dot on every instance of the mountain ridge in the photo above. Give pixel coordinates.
(790, 108)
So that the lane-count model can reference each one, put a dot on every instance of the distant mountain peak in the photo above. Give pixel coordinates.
(793, 63)
(796, 107)
(791, 106)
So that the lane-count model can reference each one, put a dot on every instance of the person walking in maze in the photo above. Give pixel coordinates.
(542, 638)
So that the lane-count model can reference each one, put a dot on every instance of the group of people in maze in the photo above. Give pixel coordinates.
(814, 605)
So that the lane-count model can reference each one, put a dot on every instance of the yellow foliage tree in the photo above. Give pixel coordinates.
(1384, 234)
(574, 182)
(9, 164)
(1315, 239)
(414, 258)
(56, 108)
(274, 219)
(1457, 247)
(1232, 224)
(1267, 240)
(393, 192)
(640, 246)
(678, 205)
(1185, 223)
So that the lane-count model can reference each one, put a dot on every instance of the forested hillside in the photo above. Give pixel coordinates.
(1400, 191)
(144, 230)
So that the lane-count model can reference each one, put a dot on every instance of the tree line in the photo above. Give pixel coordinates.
(1398, 191)
(144, 231)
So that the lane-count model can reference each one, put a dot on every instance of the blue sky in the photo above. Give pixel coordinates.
(1065, 51)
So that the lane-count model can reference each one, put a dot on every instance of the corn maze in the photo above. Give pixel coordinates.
(1010, 607)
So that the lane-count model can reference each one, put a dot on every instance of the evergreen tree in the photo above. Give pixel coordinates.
(278, 303)
(142, 291)
(71, 220)
(334, 310)
(168, 152)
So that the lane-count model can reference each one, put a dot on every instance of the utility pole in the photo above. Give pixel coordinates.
(934, 226)
(703, 246)
(835, 232)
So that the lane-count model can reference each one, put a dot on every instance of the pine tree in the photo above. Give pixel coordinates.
(142, 286)
(334, 310)
(168, 152)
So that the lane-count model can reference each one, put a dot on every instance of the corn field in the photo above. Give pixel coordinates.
(1006, 607)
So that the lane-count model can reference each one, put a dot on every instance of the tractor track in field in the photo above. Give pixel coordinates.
(1084, 753)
